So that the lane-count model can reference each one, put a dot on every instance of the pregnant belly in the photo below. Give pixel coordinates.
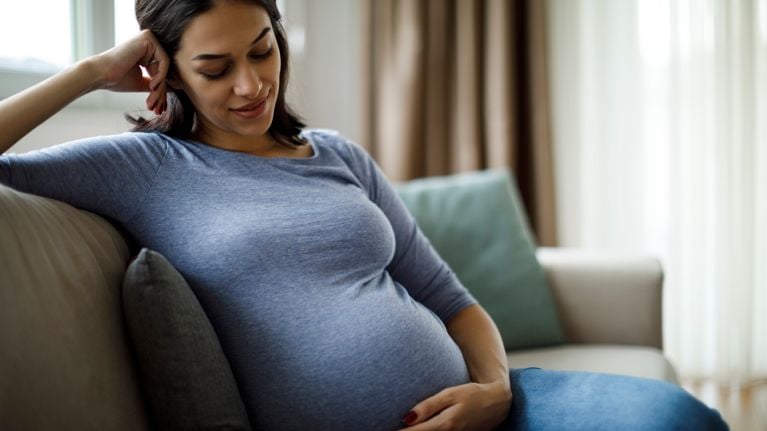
(356, 364)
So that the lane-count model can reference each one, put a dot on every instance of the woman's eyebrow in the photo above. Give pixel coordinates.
(218, 56)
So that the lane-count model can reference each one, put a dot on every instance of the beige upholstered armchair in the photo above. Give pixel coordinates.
(610, 308)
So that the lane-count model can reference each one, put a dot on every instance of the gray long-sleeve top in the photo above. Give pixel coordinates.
(329, 302)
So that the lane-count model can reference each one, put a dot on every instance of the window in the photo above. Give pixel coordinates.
(125, 20)
(48, 35)
(36, 41)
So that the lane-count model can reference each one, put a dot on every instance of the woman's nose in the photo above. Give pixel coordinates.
(247, 83)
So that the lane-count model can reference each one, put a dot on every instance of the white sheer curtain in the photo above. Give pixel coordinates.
(660, 126)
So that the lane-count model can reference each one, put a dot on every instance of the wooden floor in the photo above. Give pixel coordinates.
(744, 409)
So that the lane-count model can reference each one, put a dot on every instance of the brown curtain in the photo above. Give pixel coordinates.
(460, 85)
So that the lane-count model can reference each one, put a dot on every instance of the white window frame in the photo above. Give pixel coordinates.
(93, 27)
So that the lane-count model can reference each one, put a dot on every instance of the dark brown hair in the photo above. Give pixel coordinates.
(167, 20)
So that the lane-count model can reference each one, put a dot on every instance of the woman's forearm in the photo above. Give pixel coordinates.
(22, 112)
(117, 69)
(481, 344)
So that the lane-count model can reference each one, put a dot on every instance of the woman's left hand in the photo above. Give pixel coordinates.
(473, 406)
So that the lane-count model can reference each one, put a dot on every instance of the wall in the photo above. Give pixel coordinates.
(327, 85)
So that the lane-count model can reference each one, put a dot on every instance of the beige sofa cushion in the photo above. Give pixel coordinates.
(65, 360)
(637, 361)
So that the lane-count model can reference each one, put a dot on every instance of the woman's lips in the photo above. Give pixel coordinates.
(251, 111)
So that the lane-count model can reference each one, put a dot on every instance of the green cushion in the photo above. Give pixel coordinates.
(187, 379)
(476, 223)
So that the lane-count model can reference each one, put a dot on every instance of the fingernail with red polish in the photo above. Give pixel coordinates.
(410, 418)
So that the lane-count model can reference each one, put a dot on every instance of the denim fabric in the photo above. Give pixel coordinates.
(565, 400)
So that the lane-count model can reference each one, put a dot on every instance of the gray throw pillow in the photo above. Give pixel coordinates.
(186, 377)
(476, 222)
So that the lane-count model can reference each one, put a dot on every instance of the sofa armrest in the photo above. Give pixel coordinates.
(605, 298)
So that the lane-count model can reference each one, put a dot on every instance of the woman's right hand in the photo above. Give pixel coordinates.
(119, 69)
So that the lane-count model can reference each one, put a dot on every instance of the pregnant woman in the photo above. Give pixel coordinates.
(331, 306)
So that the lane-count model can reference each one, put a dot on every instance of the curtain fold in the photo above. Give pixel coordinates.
(460, 85)
(660, 112)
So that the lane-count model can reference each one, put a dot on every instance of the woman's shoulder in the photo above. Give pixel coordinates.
(130, 145)
(140, 141)
(128, 142)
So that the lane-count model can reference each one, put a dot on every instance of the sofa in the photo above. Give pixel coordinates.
(67, 362)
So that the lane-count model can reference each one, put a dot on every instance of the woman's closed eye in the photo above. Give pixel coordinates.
(265, 54)
(222, 72)
(216, 75)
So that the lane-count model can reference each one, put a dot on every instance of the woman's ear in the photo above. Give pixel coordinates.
(173, 82)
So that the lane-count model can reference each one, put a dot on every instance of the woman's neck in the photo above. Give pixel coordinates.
(264, 145)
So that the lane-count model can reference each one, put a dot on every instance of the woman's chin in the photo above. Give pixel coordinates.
(251, 128)
(251, 131)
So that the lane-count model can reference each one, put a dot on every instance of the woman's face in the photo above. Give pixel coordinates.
(228, 64)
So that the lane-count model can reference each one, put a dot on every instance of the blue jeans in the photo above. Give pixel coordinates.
(564, 400)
